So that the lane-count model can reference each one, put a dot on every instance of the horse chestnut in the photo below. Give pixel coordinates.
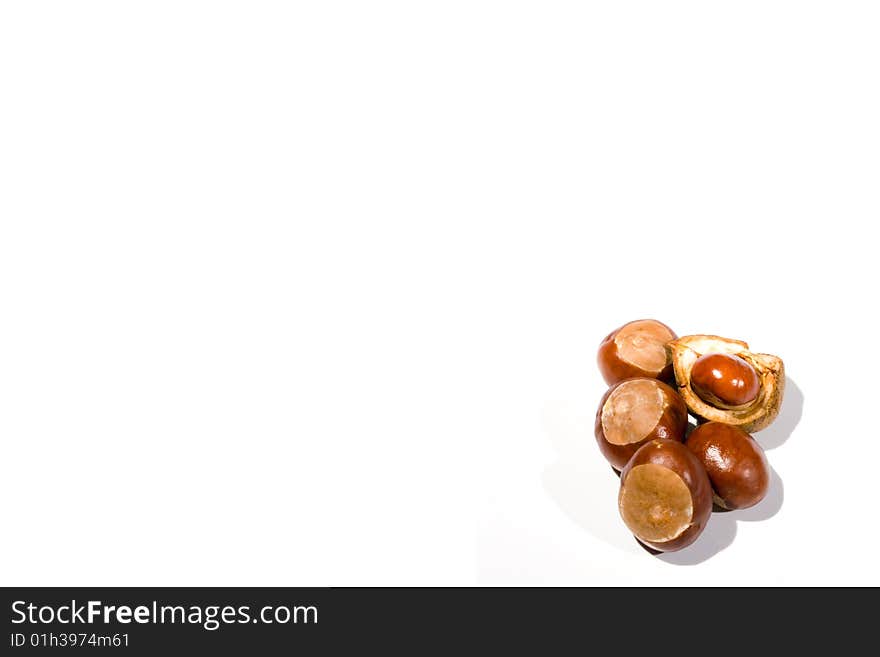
(636, 349)
(665, 496)
(634, 412)
(735, 463)
(725, 380)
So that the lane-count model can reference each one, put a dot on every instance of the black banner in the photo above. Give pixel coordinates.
(136, 621)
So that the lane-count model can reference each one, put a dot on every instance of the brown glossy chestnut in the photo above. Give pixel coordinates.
(725, 380)
(735, 463)
(636, 349)
(634, 412)
(665, 496)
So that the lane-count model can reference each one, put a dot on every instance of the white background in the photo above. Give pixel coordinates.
(309, 293)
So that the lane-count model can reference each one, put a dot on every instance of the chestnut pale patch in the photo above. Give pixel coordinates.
(632, 411)
(655, 503)
(643, 344)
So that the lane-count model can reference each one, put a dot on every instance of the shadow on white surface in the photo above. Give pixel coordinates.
(581, 482)
(721, 530)
(789, 416)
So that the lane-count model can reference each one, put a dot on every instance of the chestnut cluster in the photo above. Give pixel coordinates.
(669, 477)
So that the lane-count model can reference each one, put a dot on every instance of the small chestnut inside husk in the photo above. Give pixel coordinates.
(634, 412)
(721, 380)
(735, 463)
(725, 380)
(665, 496)
(637, 348)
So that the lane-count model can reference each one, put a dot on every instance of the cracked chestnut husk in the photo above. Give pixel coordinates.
(721, 380)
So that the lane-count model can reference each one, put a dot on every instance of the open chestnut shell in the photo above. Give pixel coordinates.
(735, 463)
(665, 496)
(636, 349)
(720, 380)
(634, 412)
